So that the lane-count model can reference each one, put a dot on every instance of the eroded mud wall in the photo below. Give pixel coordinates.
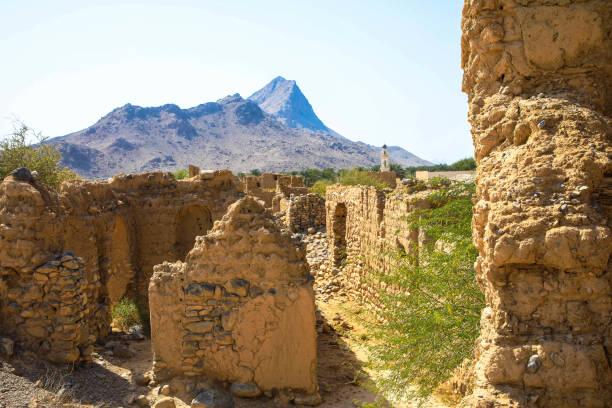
(240, 309)
(118, 229)
(538, 78)
(366, 227)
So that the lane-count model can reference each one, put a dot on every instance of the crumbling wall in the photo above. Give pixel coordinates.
(239, 309)
(304, 212)
(271, 188)
(45, 295)
(538, 79)
(365, 229)
(118, 230)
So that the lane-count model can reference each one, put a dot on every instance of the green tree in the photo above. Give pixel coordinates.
(356, 176)
(45, 158)
(180, 174)
(320, 187)
(255, 172)
(430, 320)
(465, 164)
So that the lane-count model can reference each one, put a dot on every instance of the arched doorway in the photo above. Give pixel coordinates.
(193, 220)
(339, 231)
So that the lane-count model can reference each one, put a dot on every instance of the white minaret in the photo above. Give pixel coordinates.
(384, 159)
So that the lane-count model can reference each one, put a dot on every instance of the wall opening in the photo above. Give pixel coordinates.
(121, 273)
(339, 231)
(192, 221)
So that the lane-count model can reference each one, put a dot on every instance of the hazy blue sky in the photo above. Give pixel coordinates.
(376, 71)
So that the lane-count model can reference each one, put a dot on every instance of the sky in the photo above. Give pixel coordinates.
(385, 71)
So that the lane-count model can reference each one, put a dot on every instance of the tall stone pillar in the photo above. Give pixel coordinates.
(538, 74)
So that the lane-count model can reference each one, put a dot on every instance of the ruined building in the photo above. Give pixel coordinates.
(366, 227)
(538, 78)
(240, 308)
(67, 256)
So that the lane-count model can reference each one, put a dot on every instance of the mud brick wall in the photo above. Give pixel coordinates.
(538, 78)
(304, 212)
(365, 228)
(240, 309)
(271, 188)
(119, 229)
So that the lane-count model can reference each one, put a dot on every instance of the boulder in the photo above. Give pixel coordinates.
(22, 174)
(212, 398)
(245, 390)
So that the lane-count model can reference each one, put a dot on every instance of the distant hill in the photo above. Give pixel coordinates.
(275, 129)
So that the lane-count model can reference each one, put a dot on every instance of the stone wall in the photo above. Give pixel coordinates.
(304, 212)
(451, 175)
(239, 309)
(365, 227)
(118, 230)
(45, 309)
(271, 188)
(538, 79)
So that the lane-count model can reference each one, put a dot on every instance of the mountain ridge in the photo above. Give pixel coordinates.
(233, 133)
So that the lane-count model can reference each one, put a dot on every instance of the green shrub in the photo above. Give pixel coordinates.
(355, 176)
(320, 187)
(430, 319)
(465, 164)
(180, 174)
(126, 314)
(44, 158)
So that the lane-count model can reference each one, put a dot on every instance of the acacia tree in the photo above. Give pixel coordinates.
(429, 322)
(45, 158)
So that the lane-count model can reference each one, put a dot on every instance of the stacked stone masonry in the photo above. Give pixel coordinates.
(45, 309)
(304, 212)
(538, 75)
(116, 231)
(239, 309)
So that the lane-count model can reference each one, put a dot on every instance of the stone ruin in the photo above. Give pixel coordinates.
(305, 213)
(537, 75)
(365, 227)
(239, 309)
(272, 188)
(538, 78)
(66, 256)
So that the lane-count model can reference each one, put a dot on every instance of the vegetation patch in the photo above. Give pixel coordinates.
(128, 313)
(180, 174)
(44, 158)
(431, 305)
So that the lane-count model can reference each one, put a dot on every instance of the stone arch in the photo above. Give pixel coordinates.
(192, 221)
(121, 269)
(339, 234)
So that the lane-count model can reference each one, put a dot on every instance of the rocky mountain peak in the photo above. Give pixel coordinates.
(283, 100)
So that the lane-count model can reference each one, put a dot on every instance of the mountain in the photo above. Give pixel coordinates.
(284, 101)
(233, 133)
